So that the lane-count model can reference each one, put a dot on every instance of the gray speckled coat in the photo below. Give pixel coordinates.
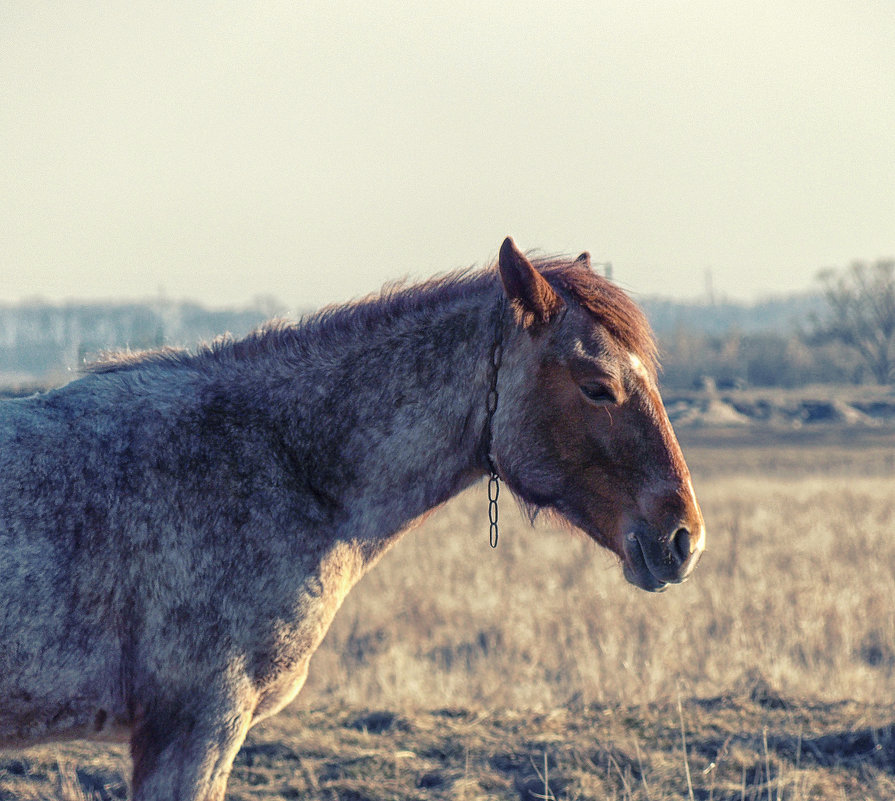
(177, 530)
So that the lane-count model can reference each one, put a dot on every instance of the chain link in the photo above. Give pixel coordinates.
(493, 493)
(491, 406)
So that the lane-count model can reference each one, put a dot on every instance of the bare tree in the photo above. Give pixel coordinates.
(861, 313)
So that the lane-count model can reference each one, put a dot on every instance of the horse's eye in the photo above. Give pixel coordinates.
(599, 394)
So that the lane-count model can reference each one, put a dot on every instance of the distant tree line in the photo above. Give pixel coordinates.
(763, 359)
(861, 314)
(846, 334)
(40, 341)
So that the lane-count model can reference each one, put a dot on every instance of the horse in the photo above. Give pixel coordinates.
(178, 528)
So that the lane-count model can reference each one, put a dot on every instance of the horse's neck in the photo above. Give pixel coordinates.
(398, 421)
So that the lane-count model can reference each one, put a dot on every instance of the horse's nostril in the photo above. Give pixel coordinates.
(680, 544)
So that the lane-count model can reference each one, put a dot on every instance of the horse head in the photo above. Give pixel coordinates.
(581, 429)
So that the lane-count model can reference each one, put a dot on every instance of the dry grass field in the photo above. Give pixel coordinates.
(535, 672)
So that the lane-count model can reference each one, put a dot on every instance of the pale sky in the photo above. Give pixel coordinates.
(312, 151)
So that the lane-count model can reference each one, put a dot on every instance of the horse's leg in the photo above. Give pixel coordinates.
(186, 754)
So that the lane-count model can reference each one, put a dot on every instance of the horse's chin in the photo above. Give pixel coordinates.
(637, 571)
(634, 565)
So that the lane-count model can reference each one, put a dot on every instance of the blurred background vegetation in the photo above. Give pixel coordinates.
(841, 332)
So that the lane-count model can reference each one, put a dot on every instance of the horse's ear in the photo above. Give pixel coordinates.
(525, 286)
(584, 259)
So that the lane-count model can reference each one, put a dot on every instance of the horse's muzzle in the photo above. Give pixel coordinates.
(652, 562)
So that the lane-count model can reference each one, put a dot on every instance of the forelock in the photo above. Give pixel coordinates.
(611, 307)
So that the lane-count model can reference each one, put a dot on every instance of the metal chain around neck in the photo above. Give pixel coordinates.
(491, 407)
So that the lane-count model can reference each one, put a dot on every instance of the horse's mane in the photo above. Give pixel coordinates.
(397, 300)
(611, 307)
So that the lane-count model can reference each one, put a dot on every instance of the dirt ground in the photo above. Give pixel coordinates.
(753, 744)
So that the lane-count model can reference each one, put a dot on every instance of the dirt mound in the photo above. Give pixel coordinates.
(830, 412)
(711, 409)
(711, 412)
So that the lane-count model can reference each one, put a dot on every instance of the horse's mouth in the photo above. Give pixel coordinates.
(636, 569)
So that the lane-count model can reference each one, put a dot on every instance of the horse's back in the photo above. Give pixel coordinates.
(48, 444)
(56, 623)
